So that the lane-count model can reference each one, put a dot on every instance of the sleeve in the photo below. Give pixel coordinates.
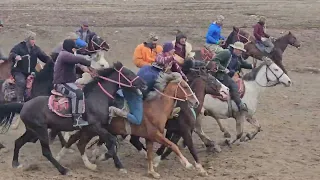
(177, 68)
(72, 59)
(15, 51)
(160, 59)
(138, 57)
(256, 32)
(245, 64)
(43, 56)
(210, 37)
(81, 43)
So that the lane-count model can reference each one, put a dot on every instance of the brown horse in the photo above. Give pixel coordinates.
(280, 45)
(157, 109)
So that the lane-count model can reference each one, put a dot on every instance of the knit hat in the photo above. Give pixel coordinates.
(68, 45)
(179, 36)
(85, 23)
(223, 55)
(220, 19)
(262, 19)
(29, 35)
(152, 37)
(167, 47)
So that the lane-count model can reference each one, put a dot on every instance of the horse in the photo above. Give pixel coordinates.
(201, 83)
(38, 117)
(157, 108)
(280, 46)
(268, 74)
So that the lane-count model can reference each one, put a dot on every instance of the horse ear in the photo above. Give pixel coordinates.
(267, 60)
(290, 32)
(235, 28)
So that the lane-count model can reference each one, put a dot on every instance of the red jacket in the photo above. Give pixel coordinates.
(258, 32)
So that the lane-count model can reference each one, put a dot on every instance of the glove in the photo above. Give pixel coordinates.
(18, 58)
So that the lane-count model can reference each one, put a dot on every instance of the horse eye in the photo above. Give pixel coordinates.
(276, 69)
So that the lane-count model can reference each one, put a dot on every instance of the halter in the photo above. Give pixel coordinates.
(246, 38)
(268, 80)
(175, 94)
(94, 43)
(117, 82)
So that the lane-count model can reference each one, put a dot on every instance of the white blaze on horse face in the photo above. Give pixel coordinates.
(278, 74)
(101, 60)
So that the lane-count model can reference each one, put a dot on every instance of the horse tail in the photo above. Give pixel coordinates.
(7, 113)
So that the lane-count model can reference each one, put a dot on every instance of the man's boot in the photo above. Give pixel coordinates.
(243, 107)
(114, 112)
(78, 121)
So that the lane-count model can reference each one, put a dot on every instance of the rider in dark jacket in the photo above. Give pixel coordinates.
(25, 55)
(237, 62)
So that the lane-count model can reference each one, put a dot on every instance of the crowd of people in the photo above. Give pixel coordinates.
(149, 56)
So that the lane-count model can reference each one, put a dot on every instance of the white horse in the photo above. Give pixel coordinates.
(268, 74)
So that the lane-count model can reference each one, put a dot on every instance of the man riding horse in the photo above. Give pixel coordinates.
(214, 39)
(237, 62)
(145, 53)
(25, 55)
(183, 49)
(84, 31)
(64, 78)
(261, 36)
(223, 59)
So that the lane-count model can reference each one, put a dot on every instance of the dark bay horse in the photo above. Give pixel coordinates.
(37, 117)
(280, 45)
(157, 108)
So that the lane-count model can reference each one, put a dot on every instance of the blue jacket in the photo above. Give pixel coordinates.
(149, 74)
(214, 34)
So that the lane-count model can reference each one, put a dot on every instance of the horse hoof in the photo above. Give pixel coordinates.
(227, 135)
(154, 175)
(243, 138)
(203, 173)
(16, 165)
(65, 171)
(189, 166)
(124, 171)
(216, 148)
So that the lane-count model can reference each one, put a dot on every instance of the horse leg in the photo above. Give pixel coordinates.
(16, 122)
(256, 124)
(135, 141)
(83, 141)
(187, 137)
(239, 126)
(150, 163)
(223, 129)
(204, 138)
(162, 140)
(161, 155)
(28, 136)
(73, 139)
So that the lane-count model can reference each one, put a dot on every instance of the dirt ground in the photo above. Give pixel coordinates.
(287, 148)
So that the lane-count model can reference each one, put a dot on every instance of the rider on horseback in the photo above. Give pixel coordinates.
(183, 48)
(237, 62)
(145, 53)
(64, 77)
(214, 39)
(71, 35)
(24, 66)
(84, 31)
(261, 36)
(223, 59)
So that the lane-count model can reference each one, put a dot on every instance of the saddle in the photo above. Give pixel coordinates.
(262, 48)
(240, 84)
(206, 54)
(60, 105)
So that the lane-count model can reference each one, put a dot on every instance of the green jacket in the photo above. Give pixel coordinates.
(222, 60)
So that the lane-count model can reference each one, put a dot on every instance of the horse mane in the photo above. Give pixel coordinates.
(103, 72)
(251, 76)
(162, 81)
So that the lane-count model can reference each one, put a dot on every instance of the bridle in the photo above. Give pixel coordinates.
(268, 80)
(130, 82)
(91, 46)
(176, 91)
(246, 38)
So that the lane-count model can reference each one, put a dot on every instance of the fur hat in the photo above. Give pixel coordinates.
(29, 35)
(220, 19)
(152, 37)
(262, 19)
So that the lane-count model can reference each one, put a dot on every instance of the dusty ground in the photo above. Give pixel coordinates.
(288, 148)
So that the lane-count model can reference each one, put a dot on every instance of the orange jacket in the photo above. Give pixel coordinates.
(144, 55)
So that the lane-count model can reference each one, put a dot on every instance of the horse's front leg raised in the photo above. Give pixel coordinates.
(256, 124)
(151, 170)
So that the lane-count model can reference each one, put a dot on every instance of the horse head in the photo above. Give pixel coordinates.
(174, 83)
(269, 74)
(97, 43)
(292, 40)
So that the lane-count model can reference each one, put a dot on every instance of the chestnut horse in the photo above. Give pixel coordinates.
(157, 109)
(280, 46)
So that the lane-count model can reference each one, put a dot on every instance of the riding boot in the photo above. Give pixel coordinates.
(114, 112)
(78, 121)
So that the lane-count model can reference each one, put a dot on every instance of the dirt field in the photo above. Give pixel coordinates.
(287, 148)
